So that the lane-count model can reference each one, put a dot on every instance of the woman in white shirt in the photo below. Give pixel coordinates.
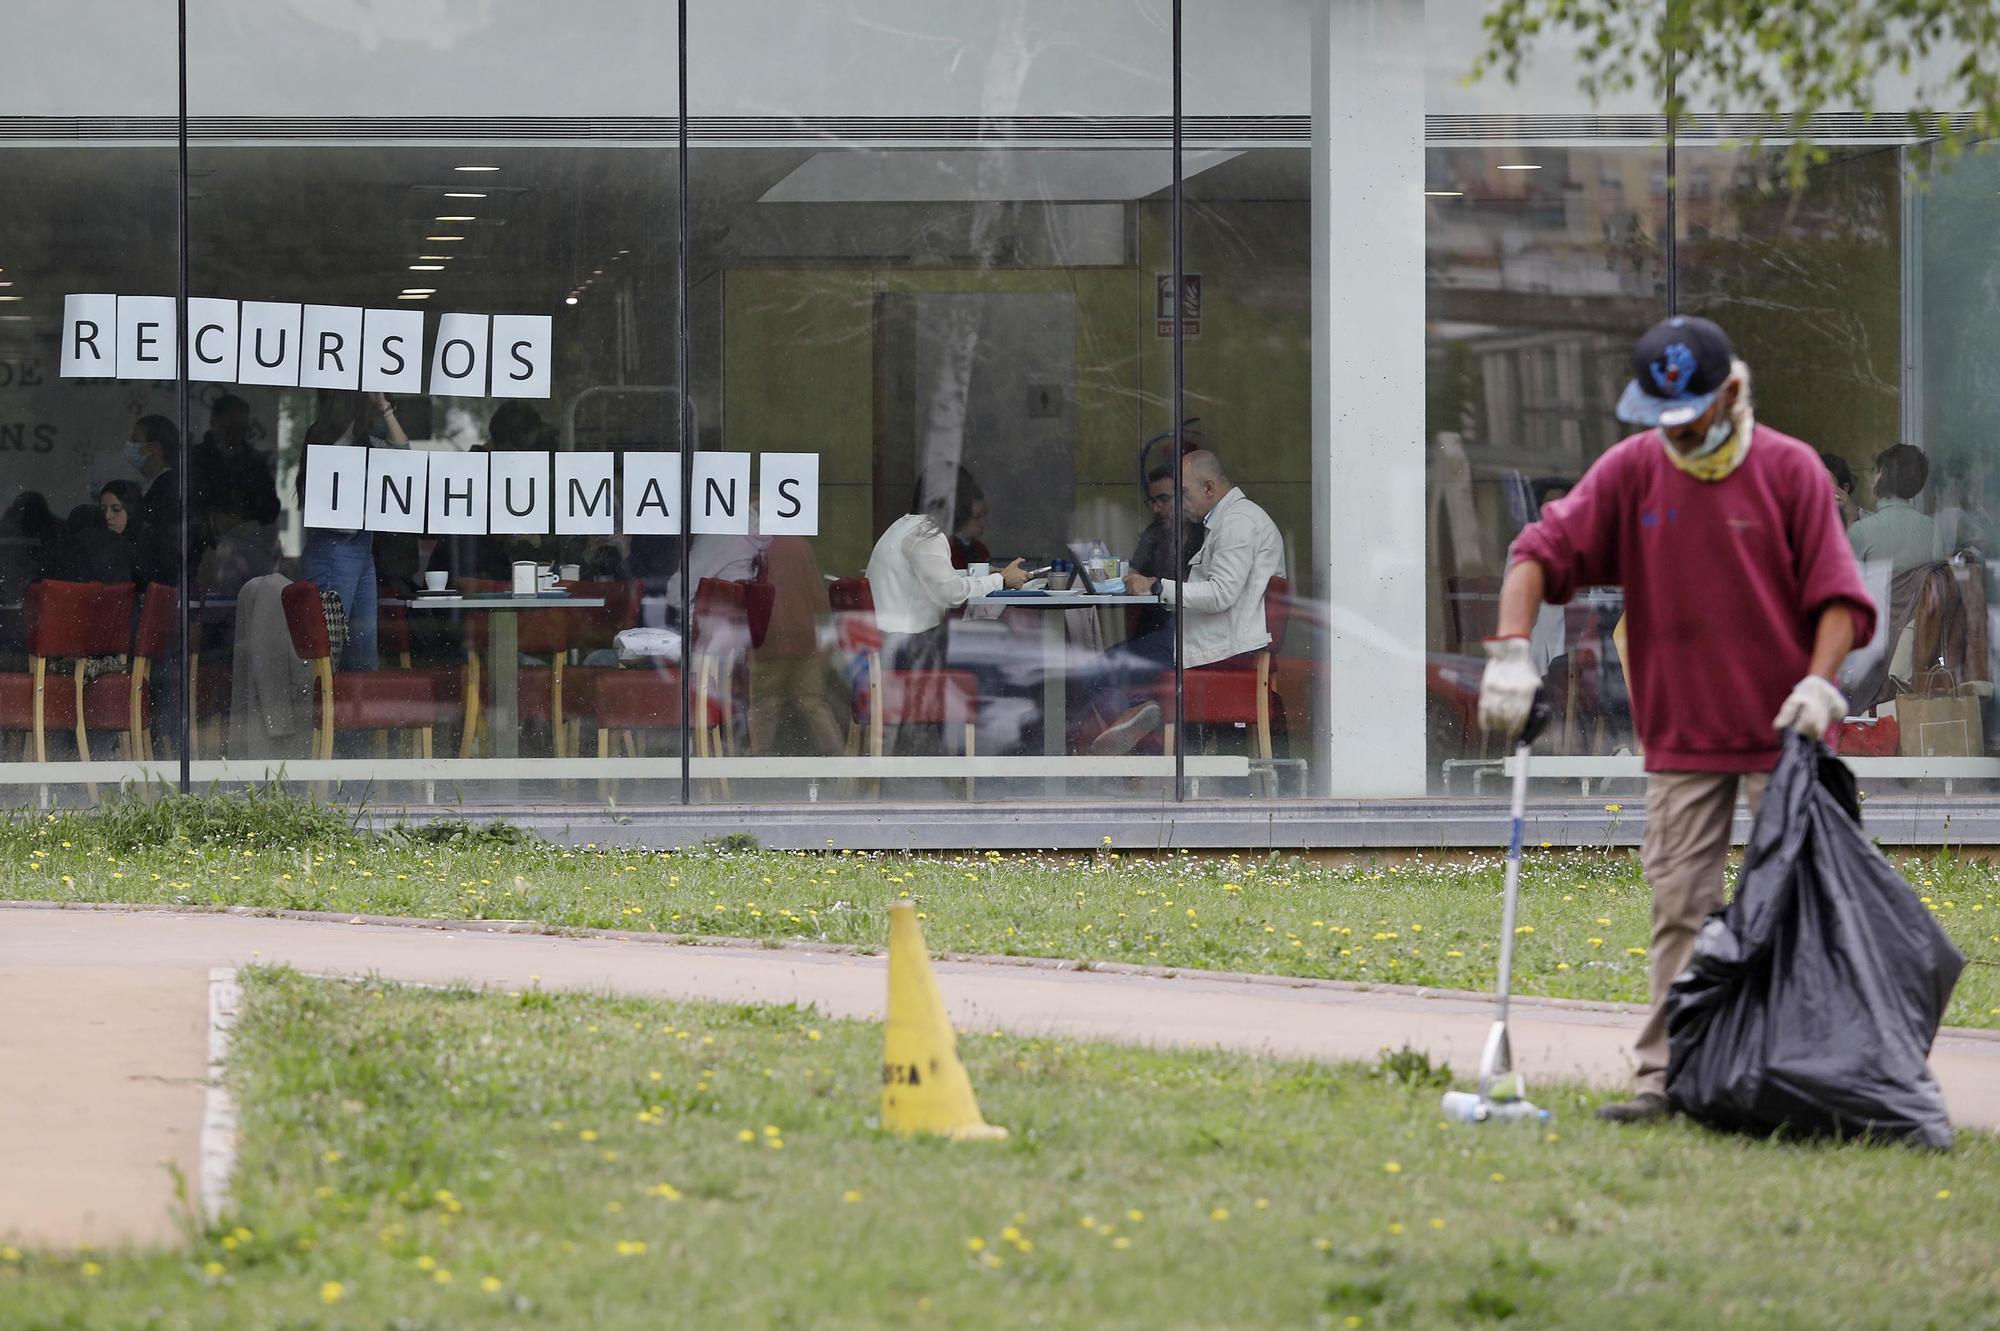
(913, 583)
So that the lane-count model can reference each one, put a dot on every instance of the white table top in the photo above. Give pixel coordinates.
(509, 602)
(1064, 600)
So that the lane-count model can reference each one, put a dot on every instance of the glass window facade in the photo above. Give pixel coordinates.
(1107, 403)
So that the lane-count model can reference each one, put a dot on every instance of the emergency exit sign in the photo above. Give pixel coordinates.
(1189, 303)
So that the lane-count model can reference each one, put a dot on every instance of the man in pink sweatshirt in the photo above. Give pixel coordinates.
(1741, 599)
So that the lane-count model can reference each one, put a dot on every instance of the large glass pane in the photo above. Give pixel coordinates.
(922, 254)
(88, 447)
(1542, 264)
(446, 238)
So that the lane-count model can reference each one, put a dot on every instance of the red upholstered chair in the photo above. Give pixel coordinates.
(543, 633)
(720, 647)
(884, 698)
(1238, 696)
(354, 699)
(69, 620)
(132, 710)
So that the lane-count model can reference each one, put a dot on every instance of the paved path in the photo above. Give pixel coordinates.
(114, 1045)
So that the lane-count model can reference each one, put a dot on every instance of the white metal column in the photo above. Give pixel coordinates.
(1368, 393)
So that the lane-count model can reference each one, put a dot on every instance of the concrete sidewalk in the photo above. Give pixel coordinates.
(118, 1074)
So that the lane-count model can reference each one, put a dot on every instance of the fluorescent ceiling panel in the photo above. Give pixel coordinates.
(983, 175)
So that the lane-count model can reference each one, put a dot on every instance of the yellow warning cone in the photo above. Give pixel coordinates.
(924, 1086)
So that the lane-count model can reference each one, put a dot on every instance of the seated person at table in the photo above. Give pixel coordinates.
(1221, 602)
(1154, 554)
(911, 578)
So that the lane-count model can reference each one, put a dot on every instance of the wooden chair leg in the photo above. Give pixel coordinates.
(971, 751)
(607, 786)
(426, 741)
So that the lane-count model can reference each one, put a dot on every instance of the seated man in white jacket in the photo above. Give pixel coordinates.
(914, 584)
(1221, 604)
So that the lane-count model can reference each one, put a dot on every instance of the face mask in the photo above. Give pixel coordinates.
(1718, 435)
(135, 455)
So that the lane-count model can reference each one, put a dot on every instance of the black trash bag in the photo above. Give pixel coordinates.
(1813, 997)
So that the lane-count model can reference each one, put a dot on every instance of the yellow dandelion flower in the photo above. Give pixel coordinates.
(587, 1135)
(441, 1276)
(1121, 1243)
(213, 1270)
(1392, 1168)
(851, 1195)
(330, 1157)
(746, 1136)
(332, 1292)
(1135, 1215)
(426, 1262)
(1944, 1194)
(491, 1284)
(976, 1243)
(1395, 1226)
(1220, 1213)
(1436, 1223)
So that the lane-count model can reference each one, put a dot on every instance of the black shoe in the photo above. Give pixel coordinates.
(1645, 1107)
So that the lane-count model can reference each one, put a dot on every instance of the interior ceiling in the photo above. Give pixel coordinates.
(342, 225)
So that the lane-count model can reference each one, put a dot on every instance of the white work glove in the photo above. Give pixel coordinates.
(1814, 708)
(1507, 689)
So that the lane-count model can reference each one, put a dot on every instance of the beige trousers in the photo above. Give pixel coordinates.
(1686, 848)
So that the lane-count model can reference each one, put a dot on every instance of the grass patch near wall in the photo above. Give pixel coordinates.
(1585, 915)
(429, 1159)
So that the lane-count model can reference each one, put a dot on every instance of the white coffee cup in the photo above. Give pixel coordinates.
(571, 572)
(979, 569)
(435, 579)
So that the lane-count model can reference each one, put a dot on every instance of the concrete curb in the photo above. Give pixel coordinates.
(1526, 1003)
(218, 1115)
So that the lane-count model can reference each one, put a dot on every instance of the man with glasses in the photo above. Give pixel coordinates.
(1154, 554)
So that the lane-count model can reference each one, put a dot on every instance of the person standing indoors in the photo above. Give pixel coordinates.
(343, 562)
(1742, 598)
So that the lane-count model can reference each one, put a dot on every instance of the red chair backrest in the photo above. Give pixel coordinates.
(78, 619)
(721, 616)
(1277, 608)
(853, 604)
(158, 616)
(306, 618)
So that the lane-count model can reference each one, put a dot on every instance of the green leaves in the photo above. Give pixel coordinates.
(1785, 61)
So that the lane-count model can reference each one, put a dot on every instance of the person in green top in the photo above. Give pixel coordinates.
(1897, 531)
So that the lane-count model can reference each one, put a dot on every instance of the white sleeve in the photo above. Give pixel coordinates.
(930, 563)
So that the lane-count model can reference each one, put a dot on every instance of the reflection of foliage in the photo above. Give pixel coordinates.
(1961, 284)
(1807, 283)
(1452, 386)
(1786, 62)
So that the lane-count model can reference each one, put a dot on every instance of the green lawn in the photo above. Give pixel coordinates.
(1584, 918)
(426, 1159)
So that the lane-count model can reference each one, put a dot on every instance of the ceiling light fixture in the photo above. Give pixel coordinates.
(450, 195)
(444, 238)
(569, 300)
(13, 297)
(426, 267)
(420, 291)
(412, 295)
(1444, 193)
(1519, 166)
(474, 219)
(475, 168)
(428, 257)
(6, 284)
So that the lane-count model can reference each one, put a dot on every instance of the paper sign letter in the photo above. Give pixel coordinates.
(90, 331)
(146, 330)
(396, 500)
(392, 354)
(652, 494)
(583, 494)
(336, 486)
(458, 364)
(788, 494)
(520, 494)
(212, 339)
(330, 347)
(523, 345)
(458, 494)
(269, 350)
(721, 494)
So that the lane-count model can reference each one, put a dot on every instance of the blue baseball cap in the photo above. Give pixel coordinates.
(1677, 369)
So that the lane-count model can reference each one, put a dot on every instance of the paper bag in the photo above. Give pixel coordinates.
(1942, 721)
